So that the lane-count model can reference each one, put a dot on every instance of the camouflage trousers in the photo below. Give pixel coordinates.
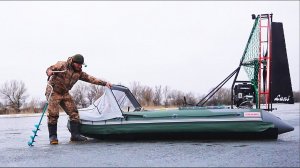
(66, 102)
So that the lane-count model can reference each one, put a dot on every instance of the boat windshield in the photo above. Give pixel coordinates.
(125, 99)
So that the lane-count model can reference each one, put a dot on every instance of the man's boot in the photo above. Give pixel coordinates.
(75, 135)
(53, 134)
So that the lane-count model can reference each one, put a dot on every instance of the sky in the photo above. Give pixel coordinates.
(189, 46)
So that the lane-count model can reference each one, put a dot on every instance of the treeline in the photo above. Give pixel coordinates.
(14, 97)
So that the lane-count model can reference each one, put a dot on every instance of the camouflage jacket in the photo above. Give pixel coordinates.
(62, 82)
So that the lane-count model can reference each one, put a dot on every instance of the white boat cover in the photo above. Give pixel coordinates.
(104, 108)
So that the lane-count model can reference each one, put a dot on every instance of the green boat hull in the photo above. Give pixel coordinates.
(183, 124)
(193, 130)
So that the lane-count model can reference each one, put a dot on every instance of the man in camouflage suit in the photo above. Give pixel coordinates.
(62, 82)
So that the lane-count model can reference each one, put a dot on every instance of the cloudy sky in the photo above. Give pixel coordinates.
(189, 46)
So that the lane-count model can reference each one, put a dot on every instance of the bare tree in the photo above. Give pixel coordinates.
(147, 95)
(2, 108)
(14, 93)
(34, 105)
(190, 98)
(157, 95)
(78, 94)
(94, 92)
(136, 90)
(166, 91)
(176, 97)
(223, 96)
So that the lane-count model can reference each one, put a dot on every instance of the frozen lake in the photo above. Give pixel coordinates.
(16, 129)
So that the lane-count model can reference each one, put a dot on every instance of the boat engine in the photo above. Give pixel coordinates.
(244, 95)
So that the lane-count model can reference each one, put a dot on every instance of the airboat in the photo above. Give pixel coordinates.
(118, 115)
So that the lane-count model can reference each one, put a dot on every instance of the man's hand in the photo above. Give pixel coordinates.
(49, 72)
(109, 85)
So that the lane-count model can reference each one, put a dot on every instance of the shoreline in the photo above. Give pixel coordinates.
(62, 113)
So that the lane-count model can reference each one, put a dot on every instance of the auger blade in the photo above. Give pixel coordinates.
(30, 143)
